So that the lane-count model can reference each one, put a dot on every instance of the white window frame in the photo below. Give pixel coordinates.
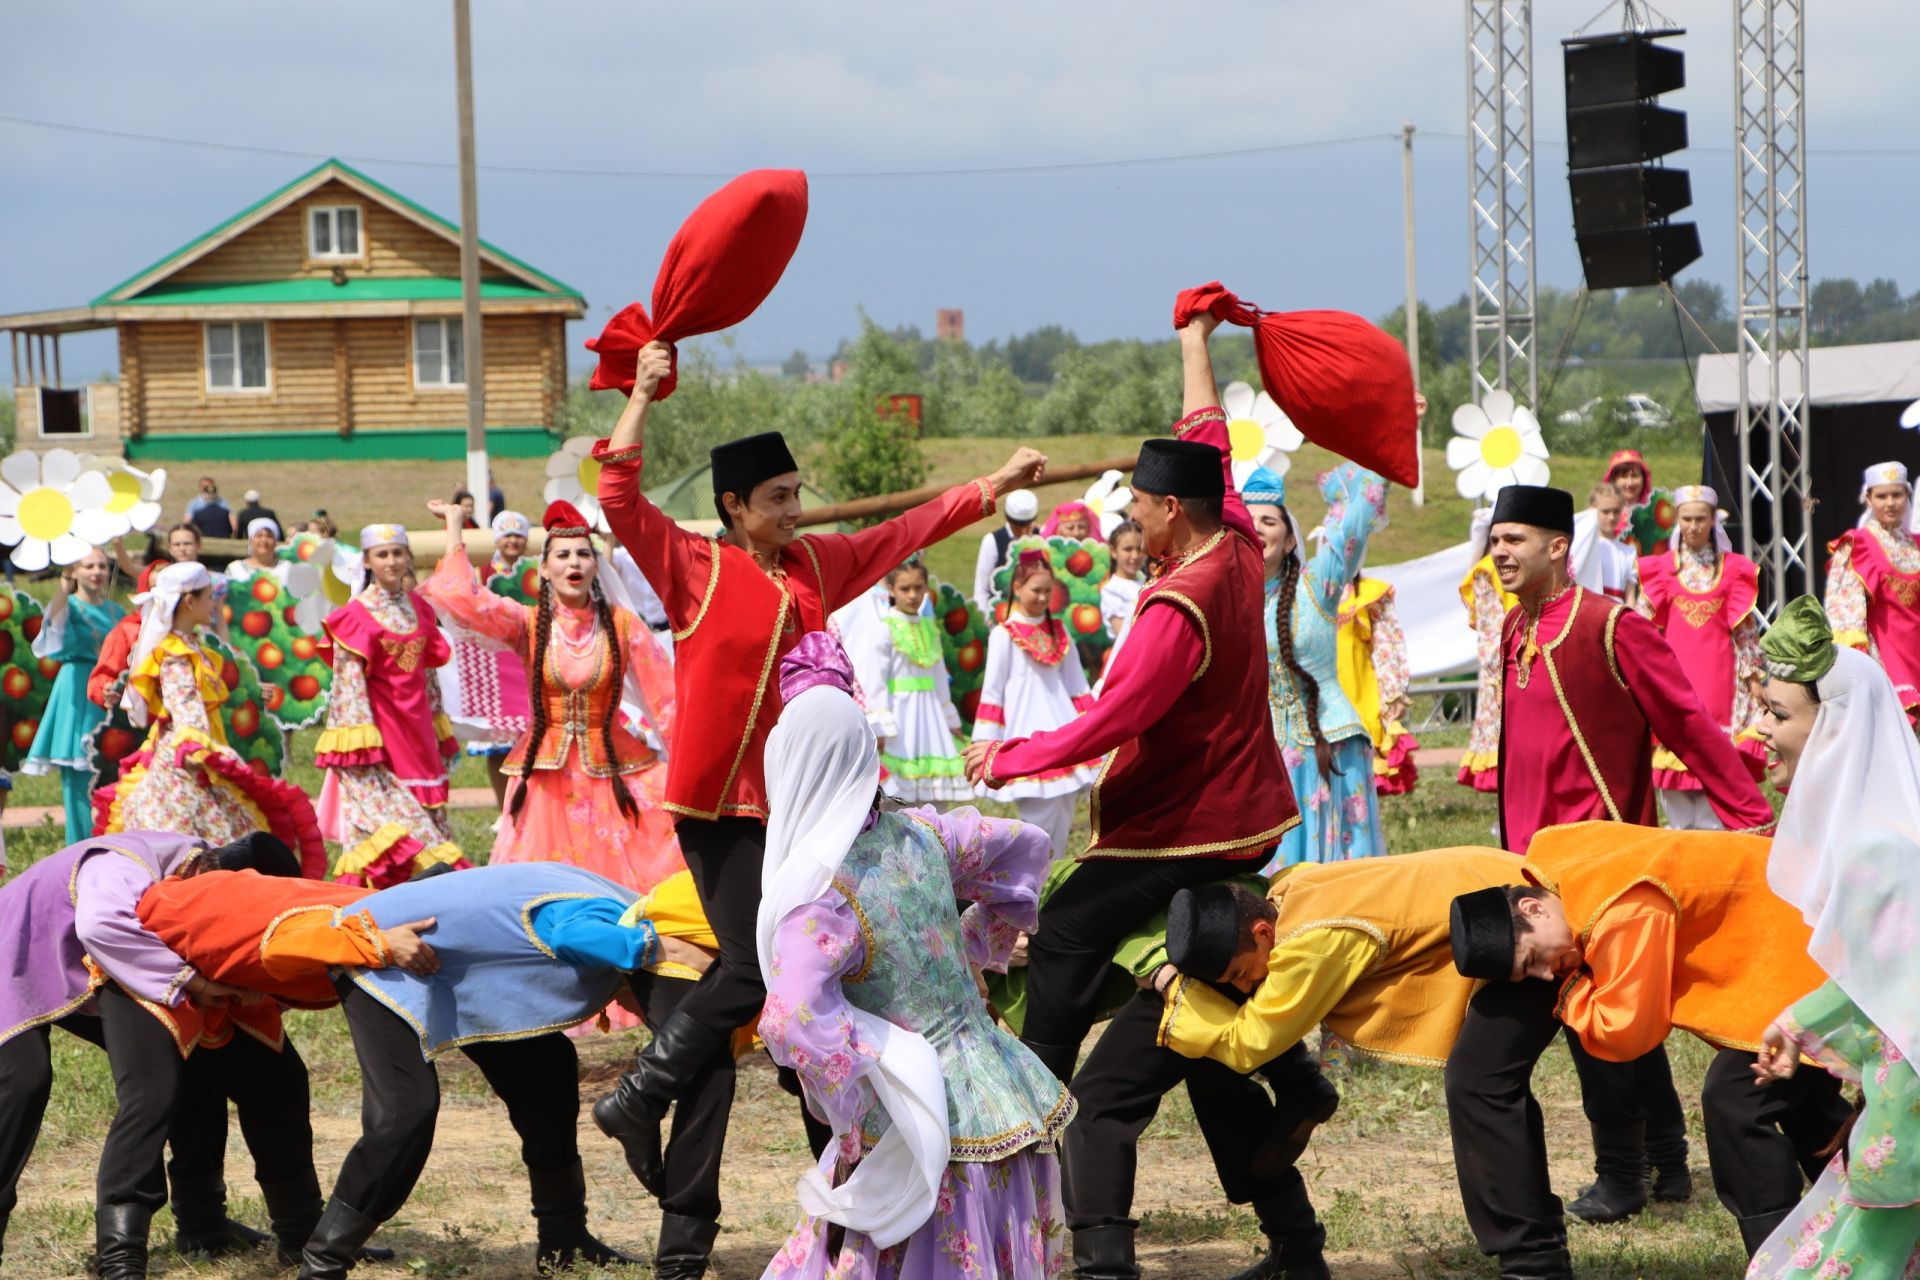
(413, 340)
(332, 214)
(206, 357)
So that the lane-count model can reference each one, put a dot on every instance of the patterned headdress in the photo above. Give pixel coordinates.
(563, 520)
(383, 535)
(511, 524)
(1799, 645)
(1884, 473)
(817, 659)
(1264, 487)
(1032, 560)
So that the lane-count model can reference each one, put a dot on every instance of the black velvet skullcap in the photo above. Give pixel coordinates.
(1537, 505)
(1203, 929)
(260, 851)
(739, 465)
(1482, 927)
(1179, 469)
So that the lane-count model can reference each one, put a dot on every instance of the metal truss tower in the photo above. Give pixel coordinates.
(1770, 142)
(1500, 198)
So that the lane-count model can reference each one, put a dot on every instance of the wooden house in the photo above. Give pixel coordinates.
(321, 322)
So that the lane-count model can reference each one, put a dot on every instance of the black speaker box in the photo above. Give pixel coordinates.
(1629, 259)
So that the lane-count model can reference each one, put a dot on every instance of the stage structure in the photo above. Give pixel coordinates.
(1770, 141)
(1500, 297)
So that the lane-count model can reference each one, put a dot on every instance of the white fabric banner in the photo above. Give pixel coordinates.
(1426, 595)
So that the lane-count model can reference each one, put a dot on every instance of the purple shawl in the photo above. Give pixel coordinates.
(43, 974)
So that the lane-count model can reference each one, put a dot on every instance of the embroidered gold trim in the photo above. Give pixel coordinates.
(531, 905)
(431, 1052)
(1206, 633)
(845, 889)
(266, 935)
(629, 454)
(1196, 850)
(813, 557)
(1212, 413)
(999, 1146)
(987, 499)
(1613, 659)
(713, 583)
(1579, 739)
(102, 845)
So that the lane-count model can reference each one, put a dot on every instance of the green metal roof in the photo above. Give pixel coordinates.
(323, 168)
(321, 289)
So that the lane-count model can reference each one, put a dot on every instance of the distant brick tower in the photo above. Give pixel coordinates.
(950, 324)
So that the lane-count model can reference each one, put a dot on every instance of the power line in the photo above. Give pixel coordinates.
(850, 175)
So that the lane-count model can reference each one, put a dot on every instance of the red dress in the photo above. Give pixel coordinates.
(1706, 629)
(1893, 612)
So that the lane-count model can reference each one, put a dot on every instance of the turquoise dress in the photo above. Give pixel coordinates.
(61, 742)
(1339, 815)
(1861, 1220)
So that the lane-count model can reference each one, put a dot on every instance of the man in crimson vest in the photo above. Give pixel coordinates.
(737, 602)
(1195, 788)
(1622, 937)
(1587, 684)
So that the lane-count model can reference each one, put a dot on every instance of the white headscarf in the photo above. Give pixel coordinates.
(1699, 493)
(157, 606)
(268, 523)
(1886, 473)
(1847, 850)
(823, 769)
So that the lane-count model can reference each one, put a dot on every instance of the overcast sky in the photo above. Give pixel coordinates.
(719, 87)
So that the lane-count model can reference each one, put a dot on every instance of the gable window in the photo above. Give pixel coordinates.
(237, 357)
(333, 231)
(439, 354)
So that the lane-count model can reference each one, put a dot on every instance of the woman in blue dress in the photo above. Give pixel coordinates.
(1328, 753)
(77, 620)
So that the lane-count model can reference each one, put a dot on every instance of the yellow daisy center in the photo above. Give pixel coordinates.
(126, 492)
(1248, 438)
(1500, 447)
(588, 473)
(45, 513)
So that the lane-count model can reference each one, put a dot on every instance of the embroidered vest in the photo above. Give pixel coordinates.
(1409, 1005)
(577, 718)
(1000, 1098)
(1893, 612)
(1699, 625)
(1206, 779)
(1727, 917)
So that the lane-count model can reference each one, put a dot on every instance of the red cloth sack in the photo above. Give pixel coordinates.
(722, 264)
(1343, 380)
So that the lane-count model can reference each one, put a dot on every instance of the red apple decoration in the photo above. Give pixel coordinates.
(274, 696)
(258, 766)
(1058, 604)
(6, 646)
(229, 673)
(15, 683)
(1085, 619)
(6, 605)
(30, 627)
(246, 720)
(971, 655)
(226, 612)
(49, 668)
(304, 647)
(257, 623)
(305, 550)
(116, 743)
(304, 688)
(956, 620)
(970, 705)
(287, 614)
(270, 656)
(1080, 563)
(23, 731)
(530, 582)
(266, 590)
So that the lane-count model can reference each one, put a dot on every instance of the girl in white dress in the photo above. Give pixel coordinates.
(911, 705)
(1034, 682)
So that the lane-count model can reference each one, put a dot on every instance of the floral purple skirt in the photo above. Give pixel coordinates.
(995, 1221)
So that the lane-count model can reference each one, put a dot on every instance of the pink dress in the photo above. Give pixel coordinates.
(386, 745)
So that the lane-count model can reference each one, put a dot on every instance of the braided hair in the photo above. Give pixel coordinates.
(1309, 687)
(543, 624)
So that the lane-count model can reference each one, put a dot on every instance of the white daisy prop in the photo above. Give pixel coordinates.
(136, 493)
(573, 476)
(303, 581)
(1496, 443)
(1109, 499)
(51, 511)
(1261, 433)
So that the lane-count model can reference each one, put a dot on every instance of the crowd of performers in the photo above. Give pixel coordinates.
(748, 836)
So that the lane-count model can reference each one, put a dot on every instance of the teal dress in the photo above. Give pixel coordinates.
(62, 740)
(1339, 815)
(1861, 1220)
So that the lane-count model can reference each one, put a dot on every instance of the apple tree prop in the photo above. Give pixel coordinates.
(25, 680)
(262, 623)
(963, 642)
(252, 733)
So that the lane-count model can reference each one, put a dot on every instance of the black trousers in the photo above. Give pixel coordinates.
(538, 1079)
(1119, 1089)
(1101, 903)
(724, 855)
(1500, 1144)
(1637, 1092)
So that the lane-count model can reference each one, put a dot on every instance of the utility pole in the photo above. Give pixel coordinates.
(1419, 494)
(475, 352)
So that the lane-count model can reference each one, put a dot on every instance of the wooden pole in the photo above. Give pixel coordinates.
(32, 381)
(477, 468)
(1413, 302)
(887, 504)
(58, 381)
(13, 341)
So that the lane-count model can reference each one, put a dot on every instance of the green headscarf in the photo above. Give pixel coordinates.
(1799, 645)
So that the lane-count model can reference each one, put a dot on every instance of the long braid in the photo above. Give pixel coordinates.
(1309, 687)
(616, 678)
(542, 623)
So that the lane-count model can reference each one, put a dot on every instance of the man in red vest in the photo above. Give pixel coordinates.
(1588, 683)
(737, 602)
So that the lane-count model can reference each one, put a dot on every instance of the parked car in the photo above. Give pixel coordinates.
(1644, 409)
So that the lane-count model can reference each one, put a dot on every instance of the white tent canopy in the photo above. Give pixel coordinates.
(1869, 373)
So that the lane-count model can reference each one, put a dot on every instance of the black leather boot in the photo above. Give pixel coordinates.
(334, 1246)
(293, 1210)
(1060, 1059)
(560, 1214)
(1104, 1253)
(202, 1227)
(1544, 1264)
(685, 1245)
(120, 1241)
(1295, 1239)
(1620, 1160)
(1755, 1230)
(1303, 1100)
(632, 1113)
(1667, 1158)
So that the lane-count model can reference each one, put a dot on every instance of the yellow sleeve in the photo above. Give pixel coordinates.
(1620, 1004)
(1307, 975)
(308, 943)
